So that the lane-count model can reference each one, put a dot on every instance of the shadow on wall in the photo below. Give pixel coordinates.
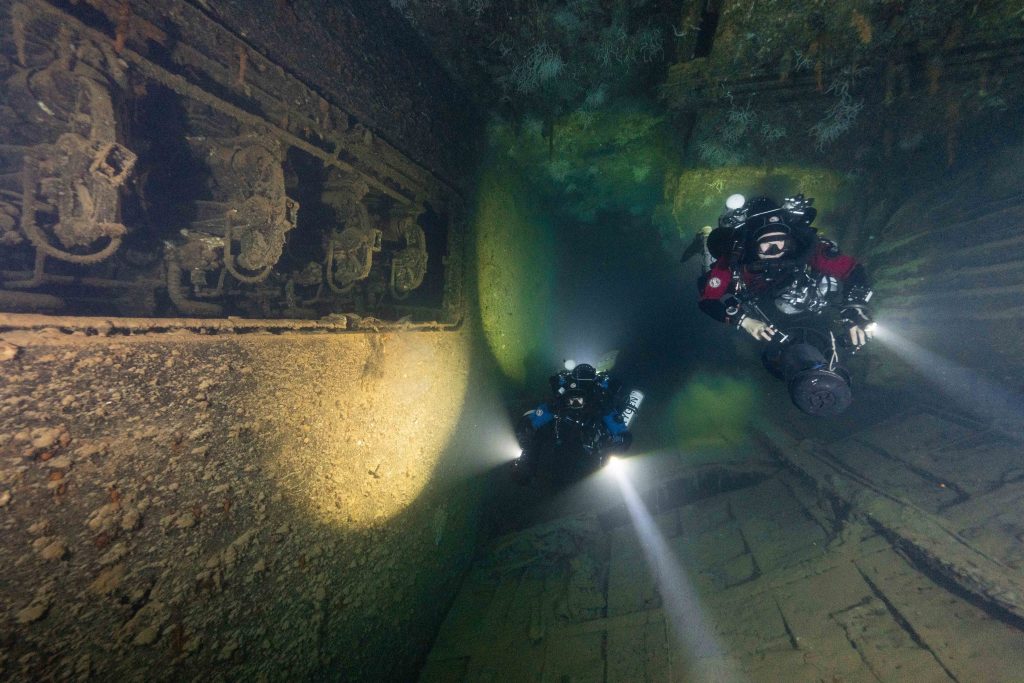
(946, 264)
(395, 474)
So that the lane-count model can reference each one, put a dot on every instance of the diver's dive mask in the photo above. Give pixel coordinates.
(773, 245)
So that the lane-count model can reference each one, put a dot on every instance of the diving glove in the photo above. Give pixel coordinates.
(856, 294)
(858, 322)
(758, 329)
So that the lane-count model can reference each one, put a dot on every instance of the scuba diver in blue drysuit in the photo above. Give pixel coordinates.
(585, 409)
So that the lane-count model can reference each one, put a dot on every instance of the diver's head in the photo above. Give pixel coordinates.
(583, 374)
(754, 214)
(772, 242)
(582, 383)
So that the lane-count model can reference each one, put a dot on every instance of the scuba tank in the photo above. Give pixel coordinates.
(817, 385)
(636, 397)
(814, 387)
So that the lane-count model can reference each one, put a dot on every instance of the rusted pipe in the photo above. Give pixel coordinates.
(38, 274)
(177, 296)
(29, 301)
(229, 259)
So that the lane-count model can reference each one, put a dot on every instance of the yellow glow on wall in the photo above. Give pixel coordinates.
(362, 420)
(514, 267)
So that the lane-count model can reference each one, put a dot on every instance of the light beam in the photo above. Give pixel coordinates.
(966, 387)
(693, 633)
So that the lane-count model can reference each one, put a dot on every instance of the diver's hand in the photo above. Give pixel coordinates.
(859, 324)
(620, 443)
(859, 336)
(758, 329)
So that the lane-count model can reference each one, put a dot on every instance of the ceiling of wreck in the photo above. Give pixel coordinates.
(609, 103)
(782, 78)
(543, 60)
(548, 58)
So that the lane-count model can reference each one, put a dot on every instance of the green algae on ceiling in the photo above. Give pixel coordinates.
(613, 159)
(547, 58)
(697, 195)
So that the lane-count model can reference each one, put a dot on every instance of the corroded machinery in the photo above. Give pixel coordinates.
(145, 175)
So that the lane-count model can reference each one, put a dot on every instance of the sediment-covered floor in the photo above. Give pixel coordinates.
(791, 583)
(176, 506)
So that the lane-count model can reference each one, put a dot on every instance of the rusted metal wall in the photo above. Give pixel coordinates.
(359, 56)
(286, 506)
(162, 159)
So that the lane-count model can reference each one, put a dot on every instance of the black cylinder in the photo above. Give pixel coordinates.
(813, 386)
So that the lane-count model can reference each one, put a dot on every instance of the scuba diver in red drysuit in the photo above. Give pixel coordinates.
(774, 277)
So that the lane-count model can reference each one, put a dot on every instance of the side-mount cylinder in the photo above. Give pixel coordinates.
(636, 397)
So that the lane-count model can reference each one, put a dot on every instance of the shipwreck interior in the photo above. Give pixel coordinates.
(279, 277)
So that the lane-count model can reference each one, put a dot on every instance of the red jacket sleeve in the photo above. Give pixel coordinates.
(714, 285)
(839, 266)
(716, 281)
